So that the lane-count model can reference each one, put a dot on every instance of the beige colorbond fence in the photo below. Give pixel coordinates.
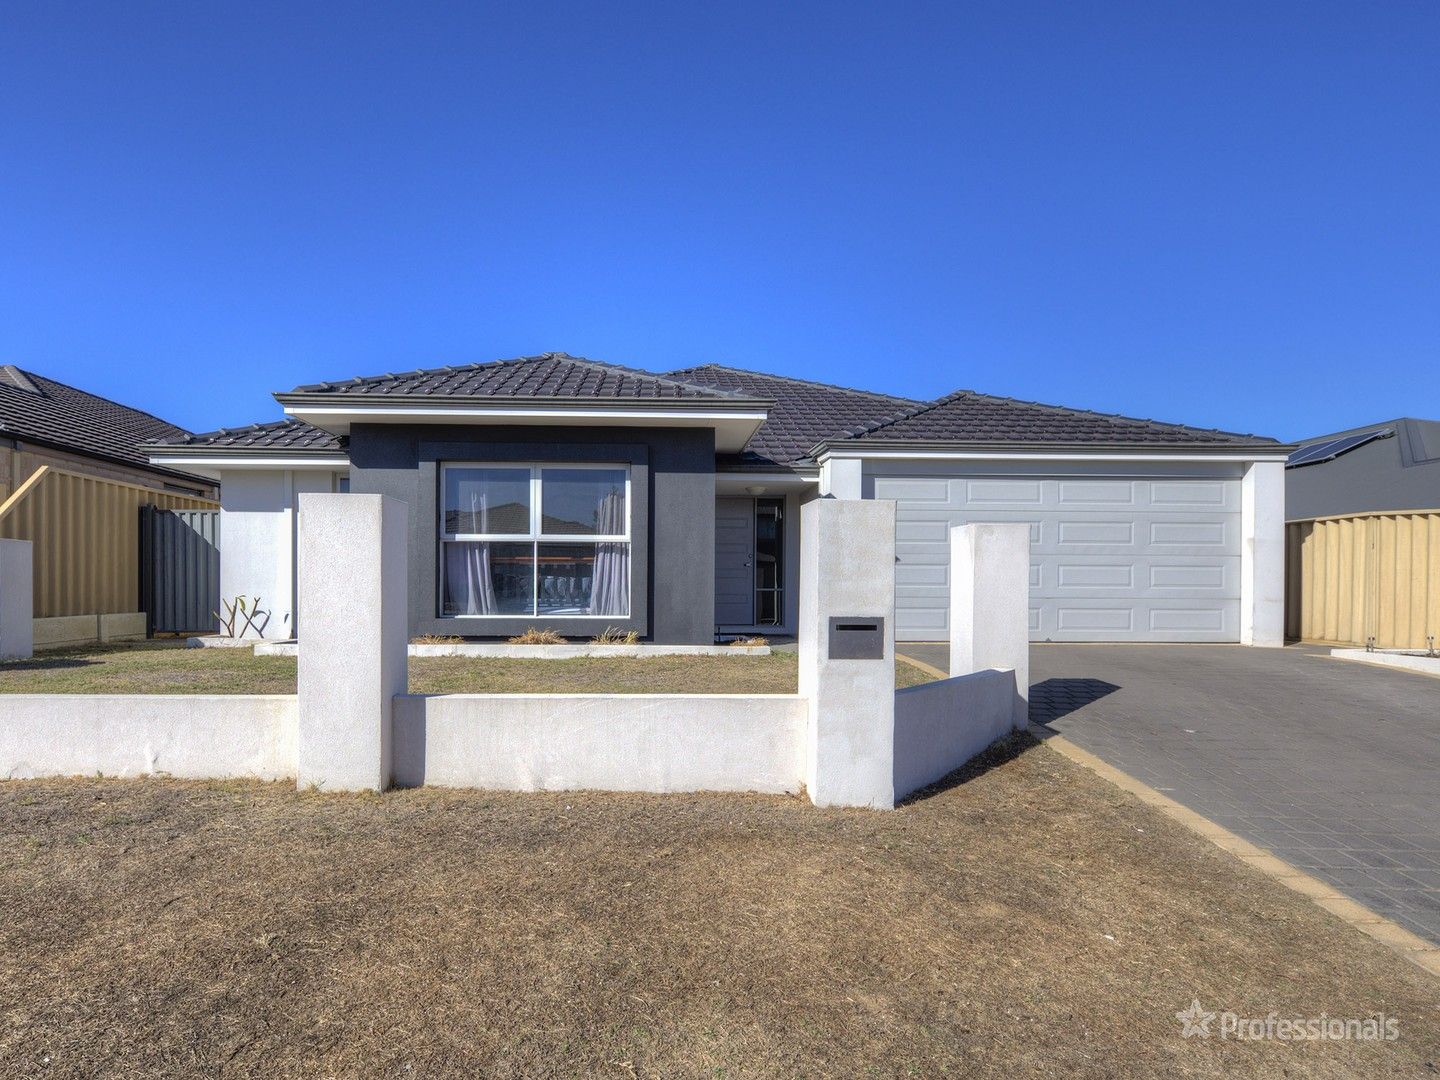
(1350, 579)
(86, 532)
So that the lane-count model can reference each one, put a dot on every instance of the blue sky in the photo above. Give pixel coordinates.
(1222, 214)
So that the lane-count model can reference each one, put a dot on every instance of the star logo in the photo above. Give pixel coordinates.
(1195, 1019)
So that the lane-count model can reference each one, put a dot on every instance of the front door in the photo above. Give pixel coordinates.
(734, 562)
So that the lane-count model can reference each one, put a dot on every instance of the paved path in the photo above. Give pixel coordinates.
(1333, 765)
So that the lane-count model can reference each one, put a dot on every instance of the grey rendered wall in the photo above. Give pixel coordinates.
(672, 474)
(1368, 478)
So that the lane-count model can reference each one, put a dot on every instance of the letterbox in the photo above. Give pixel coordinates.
(857, 637)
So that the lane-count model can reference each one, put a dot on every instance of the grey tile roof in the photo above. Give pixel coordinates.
(804, 412)
(45, 411)
(803, 415)
(966, 416)
(549, 375)
(289, 435)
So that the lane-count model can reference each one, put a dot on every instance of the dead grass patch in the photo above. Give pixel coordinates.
(1028, 920)
(535, 636)
(169, 668)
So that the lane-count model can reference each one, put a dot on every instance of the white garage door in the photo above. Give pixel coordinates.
(1112, 559)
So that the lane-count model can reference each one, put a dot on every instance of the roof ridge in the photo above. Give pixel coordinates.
(32, 376)
(19, 378)
(792, 379)
(905, 414)
(1148, 421)
(259, 425)
(361, 380)
(1155, 425)
(661, 377)
(449, 369)
(206, 438)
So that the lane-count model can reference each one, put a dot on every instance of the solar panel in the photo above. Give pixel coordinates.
(1330, 449)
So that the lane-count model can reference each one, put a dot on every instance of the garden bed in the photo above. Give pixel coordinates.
(170, 668)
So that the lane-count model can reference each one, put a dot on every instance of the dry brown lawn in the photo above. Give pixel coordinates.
(1029, 919)
(168, 668)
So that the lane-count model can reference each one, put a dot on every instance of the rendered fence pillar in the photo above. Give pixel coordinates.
(1262, 554)
(352, 605)
(990, 604)
(17, 603)
(847, 572)
(842, 478)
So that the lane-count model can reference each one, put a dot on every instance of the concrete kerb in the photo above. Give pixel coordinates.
(1400, 660)
(1417, 950)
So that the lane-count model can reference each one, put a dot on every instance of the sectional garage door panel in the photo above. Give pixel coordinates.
(1114, 559)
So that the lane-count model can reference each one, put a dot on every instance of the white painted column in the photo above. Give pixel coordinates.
(1262, 555)
(352, 604)
(842, 478)
(847, 571)
(17, 600)
(990, 604)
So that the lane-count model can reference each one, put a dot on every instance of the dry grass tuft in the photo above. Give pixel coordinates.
(156, 668)
(750, 641)
(437, 639)
(1026, 919)
(536, 636)
(612, 636)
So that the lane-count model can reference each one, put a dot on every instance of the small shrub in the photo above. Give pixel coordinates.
(534, 636)
(437, 639)
(612, 636)
(749, 642)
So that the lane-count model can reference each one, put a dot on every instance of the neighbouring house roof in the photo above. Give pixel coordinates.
(51, 413)
(1387, 467)
(1328, 449)
(966, 417)
(1417, 439)
(804, 412)
(550, 375)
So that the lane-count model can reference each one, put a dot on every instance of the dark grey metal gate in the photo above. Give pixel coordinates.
(179, 569)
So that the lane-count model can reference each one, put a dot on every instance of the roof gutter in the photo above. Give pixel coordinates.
(20, 437)
(734, 420)
(992, 451)
(211, 459)
(388, 402)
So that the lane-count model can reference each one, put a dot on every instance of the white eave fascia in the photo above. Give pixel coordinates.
(211, 464)
(733, 426)
(1231, 454)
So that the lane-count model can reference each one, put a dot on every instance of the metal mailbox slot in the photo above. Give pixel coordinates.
(857, 637)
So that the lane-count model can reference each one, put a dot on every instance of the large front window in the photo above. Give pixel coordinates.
(528, 540)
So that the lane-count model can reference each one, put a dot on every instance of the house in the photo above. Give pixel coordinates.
(561, 492)
(44, 422)
(75, 483)
(1389, 466)
(1362, 508)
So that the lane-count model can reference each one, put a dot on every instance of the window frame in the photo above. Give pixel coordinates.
(536, 534)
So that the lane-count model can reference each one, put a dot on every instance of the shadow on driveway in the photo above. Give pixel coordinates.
(1054, 698)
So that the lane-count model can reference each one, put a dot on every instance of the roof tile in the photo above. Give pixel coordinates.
(549, 375)
(969, 417)
(294, 435)
(804, 412)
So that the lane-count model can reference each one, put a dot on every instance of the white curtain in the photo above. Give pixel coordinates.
(610, 588)
(468, 584)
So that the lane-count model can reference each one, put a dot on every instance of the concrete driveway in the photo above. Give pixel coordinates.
(1331, 764)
